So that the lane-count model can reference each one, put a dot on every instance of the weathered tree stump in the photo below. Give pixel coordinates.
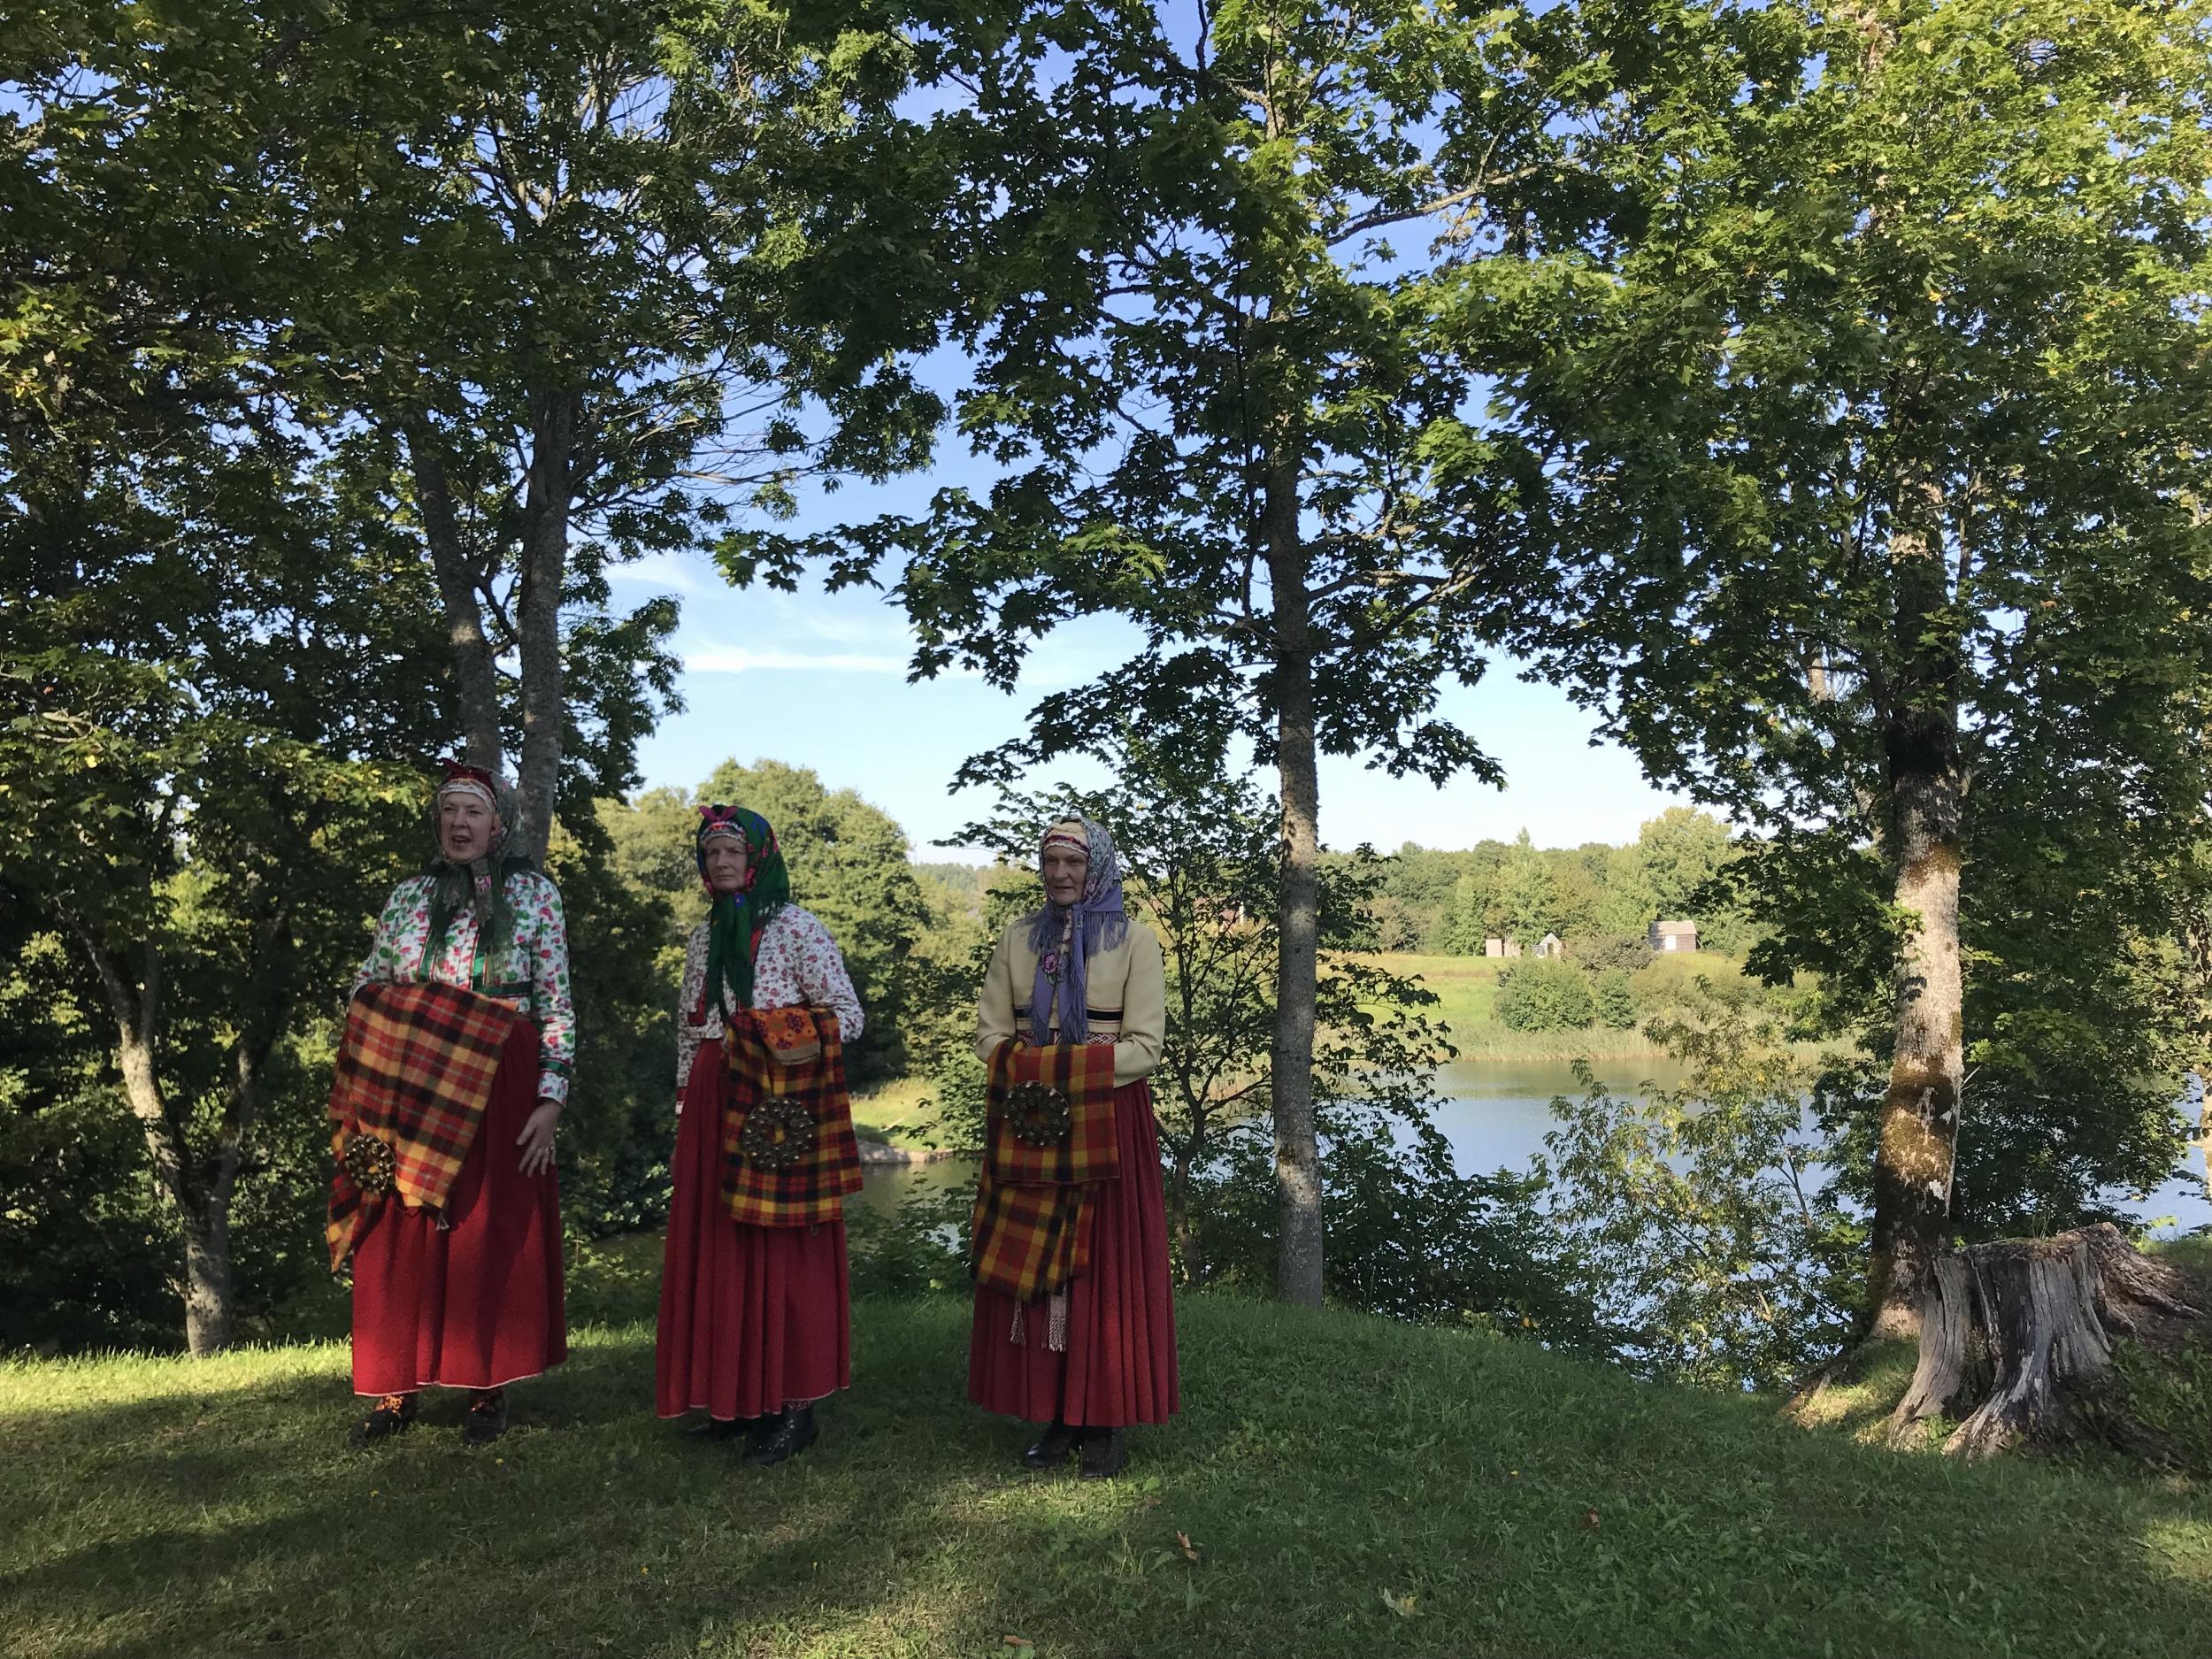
(2019, 1324)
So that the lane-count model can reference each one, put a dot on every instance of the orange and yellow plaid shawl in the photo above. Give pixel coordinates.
(415, 1072)
(814, 1188)
(1033, 1204)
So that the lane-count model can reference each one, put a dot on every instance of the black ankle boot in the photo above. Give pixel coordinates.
(487, 1417)
(782, 1436)
(393, 1414)
(720, 1428)
(1104, 1451)
(1050, 1449)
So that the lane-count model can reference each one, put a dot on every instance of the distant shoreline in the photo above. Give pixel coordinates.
(885, 1156)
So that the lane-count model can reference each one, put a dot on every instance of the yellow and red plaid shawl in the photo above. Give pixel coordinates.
(415, 1072)
(1032, 1220)
(813, 1189)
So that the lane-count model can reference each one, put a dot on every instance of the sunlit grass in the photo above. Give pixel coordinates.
(1466, 988)
(1348, 1487)
(893, 1107)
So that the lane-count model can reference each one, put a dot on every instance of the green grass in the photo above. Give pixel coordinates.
(2192, 1254)
(1348, 1487)
(1467, 989)
(892, 1109)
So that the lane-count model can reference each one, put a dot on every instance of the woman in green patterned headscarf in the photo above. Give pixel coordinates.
(739, 915)
(754, 1324)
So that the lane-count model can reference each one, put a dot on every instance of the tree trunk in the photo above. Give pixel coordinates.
(209, 1323)
(544, 571)
(1297, 1149)
(1178, 1215)
(2196, 947)
(2204, 1129)
(1920, 1116)
(204, 1214)
(475, 676)
(2019, 1324)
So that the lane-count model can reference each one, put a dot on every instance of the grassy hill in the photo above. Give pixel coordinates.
(1347, 1486)
(1466, 988)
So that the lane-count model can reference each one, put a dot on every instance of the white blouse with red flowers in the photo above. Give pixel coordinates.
(796, 966)
(532, 973)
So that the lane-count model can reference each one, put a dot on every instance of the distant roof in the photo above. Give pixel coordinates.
(1676, 927)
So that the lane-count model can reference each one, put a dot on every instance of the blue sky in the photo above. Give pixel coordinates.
(820, 681)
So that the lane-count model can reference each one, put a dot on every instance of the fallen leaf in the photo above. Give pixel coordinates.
(1020, 1642)
(1589, 1520)
(1152, 1503)
(1190, 1550)
(1403, 1606)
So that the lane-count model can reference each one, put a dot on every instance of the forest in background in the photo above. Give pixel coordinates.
(1817, 398)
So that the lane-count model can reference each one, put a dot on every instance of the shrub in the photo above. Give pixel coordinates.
(1702, 984)
(1615, 1002)
(1545, 996)
(1628, 952)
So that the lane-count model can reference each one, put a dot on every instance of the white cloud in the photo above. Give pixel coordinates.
(722, 659)
(661, 570)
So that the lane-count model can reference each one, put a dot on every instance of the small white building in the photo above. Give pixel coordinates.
(1669, 936)
(1493, 947)
(1551, 945)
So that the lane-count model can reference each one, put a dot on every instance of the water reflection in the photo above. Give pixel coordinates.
(1496, 1113)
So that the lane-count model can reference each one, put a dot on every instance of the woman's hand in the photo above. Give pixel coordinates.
(536, 1139)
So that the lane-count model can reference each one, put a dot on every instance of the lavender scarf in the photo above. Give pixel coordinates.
(1065, 937)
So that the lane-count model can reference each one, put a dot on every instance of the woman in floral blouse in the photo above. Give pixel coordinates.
(470, 1296)
(754, 1322)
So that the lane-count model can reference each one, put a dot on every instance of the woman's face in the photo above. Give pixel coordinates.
(467, 826)
(728, 860)
(1063, 869)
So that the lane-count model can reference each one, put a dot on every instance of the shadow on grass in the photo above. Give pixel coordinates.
(1346, 1486)
(180, 1525)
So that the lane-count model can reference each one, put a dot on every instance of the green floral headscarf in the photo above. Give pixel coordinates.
(737, 920)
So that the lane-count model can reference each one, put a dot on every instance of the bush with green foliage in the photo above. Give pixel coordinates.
(1689, 1219)
(1597, 952)
(1408, 1236)
(1615, 1002)
(917, 1249)
(1544, 996)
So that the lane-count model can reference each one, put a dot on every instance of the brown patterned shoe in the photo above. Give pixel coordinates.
(393, 1414)
(487, 1418)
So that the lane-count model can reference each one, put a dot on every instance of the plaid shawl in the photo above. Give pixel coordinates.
(812, 1189)
(415, 1072)
(1032, 1221)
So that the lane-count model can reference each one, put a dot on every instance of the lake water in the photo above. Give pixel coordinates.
(1496, 1113)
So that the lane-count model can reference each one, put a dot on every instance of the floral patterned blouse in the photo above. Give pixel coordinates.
(796, 966)
(535, 975)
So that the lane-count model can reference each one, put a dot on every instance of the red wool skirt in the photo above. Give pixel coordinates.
(752, 1318)
(477, 1304)
(1119, 1364)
